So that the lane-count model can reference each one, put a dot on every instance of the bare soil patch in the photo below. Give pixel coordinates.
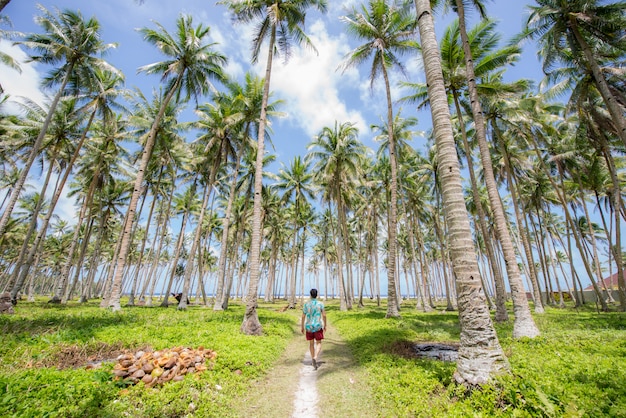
(91, 356)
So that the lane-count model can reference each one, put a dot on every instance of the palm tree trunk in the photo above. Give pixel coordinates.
(221, 271)
(392, 297)
(3, 4)
(251, 324)
(126, 237)
(17, 189)
(480, 353)
(513, 187)
(524, 325)
(501, 312)
(189, 268)
(177, 252)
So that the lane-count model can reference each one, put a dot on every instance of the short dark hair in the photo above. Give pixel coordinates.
(313, 293)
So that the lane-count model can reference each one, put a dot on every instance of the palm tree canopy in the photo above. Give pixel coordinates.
(388, 30)
(191, 62)
(70, 40)
(551, 22)
(286, 17)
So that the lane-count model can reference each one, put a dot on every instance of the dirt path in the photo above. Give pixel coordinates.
(294, 389)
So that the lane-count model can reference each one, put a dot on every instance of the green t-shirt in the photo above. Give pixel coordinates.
(313, 315)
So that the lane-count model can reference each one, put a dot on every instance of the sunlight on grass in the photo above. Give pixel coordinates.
(35, 379)
(575, 368)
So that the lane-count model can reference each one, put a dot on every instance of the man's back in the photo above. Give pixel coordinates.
(313, 313)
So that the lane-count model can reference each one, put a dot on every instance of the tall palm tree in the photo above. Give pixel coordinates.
(246, 101)
(280, 22)
(190, 66)
(388, 31)
(72, 43)
(336, 154)
(480, 353)
(104, 88)
(581, 29)
(297, 181)
(524, 325)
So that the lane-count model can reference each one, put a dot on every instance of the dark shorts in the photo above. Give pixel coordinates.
(317, 335)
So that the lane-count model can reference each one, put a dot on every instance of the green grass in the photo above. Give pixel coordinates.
(36, 340)
(575, 368)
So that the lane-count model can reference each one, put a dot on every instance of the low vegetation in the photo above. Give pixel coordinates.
(576, 368)
(48, 354)
(59, 361)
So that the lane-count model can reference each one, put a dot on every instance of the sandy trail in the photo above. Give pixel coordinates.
(306, 398)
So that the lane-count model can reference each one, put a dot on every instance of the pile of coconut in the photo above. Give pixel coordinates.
(158, 367)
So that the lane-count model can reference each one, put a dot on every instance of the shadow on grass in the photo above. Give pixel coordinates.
(52, 322)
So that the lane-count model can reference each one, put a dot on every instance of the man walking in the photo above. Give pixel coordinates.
(314, 322)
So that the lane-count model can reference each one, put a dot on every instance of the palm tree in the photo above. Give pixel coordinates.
(296, 180)
(100, 100)
(190, 65)
(336, 154)
(480, 353)
(246, 102)
(73, 43)
(524, 325)
(567, 28)
(280, 23)
(388, 31)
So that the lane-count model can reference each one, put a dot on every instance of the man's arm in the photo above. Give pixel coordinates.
(324, 318)
(302, 324)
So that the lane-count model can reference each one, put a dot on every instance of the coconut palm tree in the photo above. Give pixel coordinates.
(104, 89)
(190, 66)
(72, 43)
(296, 181)
(335, 153)
(524, 325)
(388, 32)
(480, 353)
(280, 22)
(246, 101)
(581, 29)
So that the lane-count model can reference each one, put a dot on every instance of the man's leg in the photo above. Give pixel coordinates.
(318, 348)
(312, 350)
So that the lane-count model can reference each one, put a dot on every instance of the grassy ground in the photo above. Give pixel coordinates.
(576, 367)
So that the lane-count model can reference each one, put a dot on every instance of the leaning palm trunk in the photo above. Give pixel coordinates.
(616, 204)
(16, 275)
(221, 272)
(251, 324)
(524, 324)
(524, 232)
(44, 227)
(501, 313)
(17, 189)
(126, 238)
(480, 354)
(189, 268)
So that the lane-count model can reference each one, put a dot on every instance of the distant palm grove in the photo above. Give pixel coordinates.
(517, 202)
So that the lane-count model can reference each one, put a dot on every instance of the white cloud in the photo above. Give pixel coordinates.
(312, 86)
(19, 85)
